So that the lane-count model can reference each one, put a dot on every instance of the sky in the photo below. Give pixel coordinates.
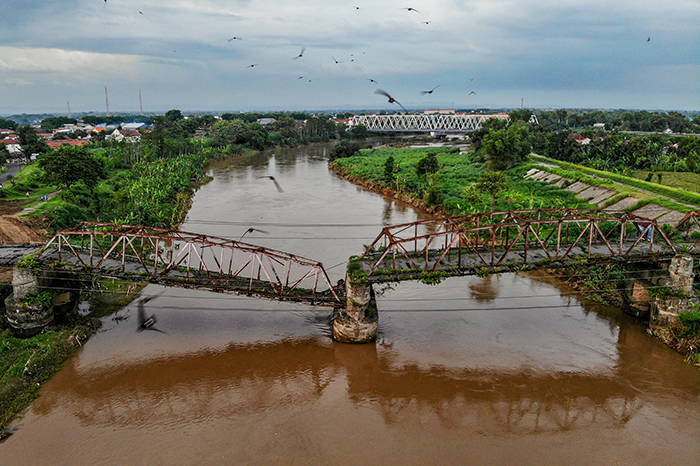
(633, 54)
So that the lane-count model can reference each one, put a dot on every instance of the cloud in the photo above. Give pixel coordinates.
(49, 60)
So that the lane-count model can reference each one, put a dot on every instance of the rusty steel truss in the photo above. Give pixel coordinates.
(555, 234)
(192, 259)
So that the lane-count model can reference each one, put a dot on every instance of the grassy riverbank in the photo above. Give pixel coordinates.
(26, 363)
(456, 186)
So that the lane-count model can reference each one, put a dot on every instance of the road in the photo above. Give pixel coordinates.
(12, 170)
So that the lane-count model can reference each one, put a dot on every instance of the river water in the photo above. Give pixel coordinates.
(505, 370)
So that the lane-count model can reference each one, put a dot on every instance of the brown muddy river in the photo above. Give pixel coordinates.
(506, 370)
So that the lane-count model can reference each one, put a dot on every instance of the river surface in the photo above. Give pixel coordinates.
(513, 369)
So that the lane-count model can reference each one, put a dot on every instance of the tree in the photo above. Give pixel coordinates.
(69, 164)
(4, 153)
(492, 184)
(427, 164)
(173, 115)
(506, 148)
(30, 142)
(389, 169)
(229, 132)
(344, 148)
(359, 132)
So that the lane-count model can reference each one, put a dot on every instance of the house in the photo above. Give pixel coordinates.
(63, 142)
(266, 121)
(127, 135)
(133, 126)
(12, 146)
(580, 140)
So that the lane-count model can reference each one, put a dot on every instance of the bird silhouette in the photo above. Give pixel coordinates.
(391, 99)
(472, 92)
(252, 66)
(234, 38)
(372, 81)
(250, 230)
(648, 39)
(300, 77)
(355, 7)
(277, 185)
(140, 12)
(301, 54)
(425, 22)
(430, 91)
(144, 322)
(411, 9)
(336, 61)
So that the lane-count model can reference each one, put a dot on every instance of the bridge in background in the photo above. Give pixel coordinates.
(439, 122)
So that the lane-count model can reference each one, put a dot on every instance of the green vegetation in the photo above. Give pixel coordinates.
(691, 323)
(459, 185)
(27, 363)
(606, 178)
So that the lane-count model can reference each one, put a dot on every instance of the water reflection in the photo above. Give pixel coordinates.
(257, 378)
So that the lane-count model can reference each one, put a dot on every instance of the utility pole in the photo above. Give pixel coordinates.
(106, 101)
(522, 99)
(140, 102)
(69, 109)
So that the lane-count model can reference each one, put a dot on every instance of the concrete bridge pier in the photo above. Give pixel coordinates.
(665, 310)
(358, 322)
(28, 315)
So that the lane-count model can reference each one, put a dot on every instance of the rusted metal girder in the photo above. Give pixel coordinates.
(159, 252)
(490, 236)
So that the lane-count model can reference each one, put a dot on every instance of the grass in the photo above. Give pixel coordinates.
(453, 189)
(27, 363)
(680, 180)
(676, 194)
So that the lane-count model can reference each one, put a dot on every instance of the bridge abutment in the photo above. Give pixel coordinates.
(664, 310)
(36, 299)
(358, 322)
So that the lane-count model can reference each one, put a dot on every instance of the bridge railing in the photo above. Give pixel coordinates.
(205, 261)
(554, 234)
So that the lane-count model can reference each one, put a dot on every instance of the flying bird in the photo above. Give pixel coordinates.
(336, 61)
(411, 9)
(425, 22)
(140, 12)
(648, 39)
(472, 92)
(301, 54)
(277, 185)
(234, 38)
(250, 230)
(300, 77)
(430, 91)
(252, 66)
(146, 323)
(355, 7)
(391, 99)
(372, 81)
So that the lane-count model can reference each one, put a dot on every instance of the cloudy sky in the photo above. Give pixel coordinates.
(640, 54)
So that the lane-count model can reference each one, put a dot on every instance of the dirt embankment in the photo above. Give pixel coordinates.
(12, 229)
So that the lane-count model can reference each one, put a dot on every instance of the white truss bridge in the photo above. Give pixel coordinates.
(423, 122)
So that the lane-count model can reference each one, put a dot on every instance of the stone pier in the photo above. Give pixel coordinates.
(358, 322)
(27, 319)
(665, 310)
